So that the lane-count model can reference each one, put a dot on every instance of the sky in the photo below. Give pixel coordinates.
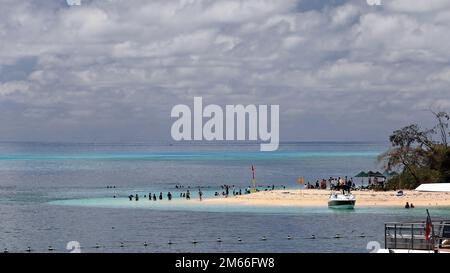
(111, 70)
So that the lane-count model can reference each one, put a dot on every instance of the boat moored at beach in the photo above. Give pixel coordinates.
(341, 201)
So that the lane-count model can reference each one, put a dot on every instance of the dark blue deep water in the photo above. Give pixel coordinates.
(45, 190)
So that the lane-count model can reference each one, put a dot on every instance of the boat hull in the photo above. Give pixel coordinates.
(341, 204)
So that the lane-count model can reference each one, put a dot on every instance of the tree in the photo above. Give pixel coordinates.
(442, 126)
(408, 150)
(419, 157)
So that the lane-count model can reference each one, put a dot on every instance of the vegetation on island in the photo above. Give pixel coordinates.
(419, 155)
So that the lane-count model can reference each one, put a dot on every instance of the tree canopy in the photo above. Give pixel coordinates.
(419, 155)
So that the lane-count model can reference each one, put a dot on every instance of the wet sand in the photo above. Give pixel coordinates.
(319, 198)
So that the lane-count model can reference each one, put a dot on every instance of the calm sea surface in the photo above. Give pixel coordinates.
(53, 193)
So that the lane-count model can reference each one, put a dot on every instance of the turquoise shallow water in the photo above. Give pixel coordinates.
(194, 205)
(53, 193)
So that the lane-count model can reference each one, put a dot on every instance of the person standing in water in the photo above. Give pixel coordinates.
(188, 195)
(200, 194)
(154, 197)
(160, 196)
(169, 196)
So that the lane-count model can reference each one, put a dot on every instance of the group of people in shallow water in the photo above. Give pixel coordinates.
(226, 191)
(150, 196)
(409, 206)
(153, 196)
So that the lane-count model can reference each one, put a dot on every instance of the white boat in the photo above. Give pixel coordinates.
(341, 201)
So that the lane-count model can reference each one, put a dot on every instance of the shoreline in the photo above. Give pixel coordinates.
(319, 198)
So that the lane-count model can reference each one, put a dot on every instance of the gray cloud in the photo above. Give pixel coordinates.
(111, 70)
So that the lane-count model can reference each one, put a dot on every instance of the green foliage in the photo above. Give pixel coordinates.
(417, 156)
(406, 181)
(445, 167)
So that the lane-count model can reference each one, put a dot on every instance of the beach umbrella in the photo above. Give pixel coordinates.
(377, 175)
(380, 175)
(370, 174)
(362, 174)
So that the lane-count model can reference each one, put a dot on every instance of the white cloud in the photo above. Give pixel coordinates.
(417, 6)
(11, 87)
(128, 61)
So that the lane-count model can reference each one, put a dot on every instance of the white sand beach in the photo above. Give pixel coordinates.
(318, 198)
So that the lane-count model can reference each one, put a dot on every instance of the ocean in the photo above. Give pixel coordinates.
(55, 193)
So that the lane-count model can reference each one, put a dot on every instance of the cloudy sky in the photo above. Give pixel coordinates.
(111, 70)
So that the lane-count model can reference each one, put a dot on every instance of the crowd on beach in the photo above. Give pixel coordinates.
(344, 184)
(341, 183)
